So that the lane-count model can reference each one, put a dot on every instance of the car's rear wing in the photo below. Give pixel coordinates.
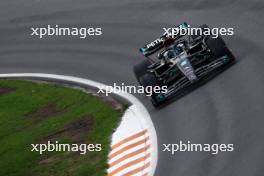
(159, 43)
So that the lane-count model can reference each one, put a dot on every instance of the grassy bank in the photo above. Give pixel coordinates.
(32, 113)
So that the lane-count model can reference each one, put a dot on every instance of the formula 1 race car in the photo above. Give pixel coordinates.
(181, 61)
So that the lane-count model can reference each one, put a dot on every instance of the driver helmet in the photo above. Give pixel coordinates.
(169, 54)
(178, 48)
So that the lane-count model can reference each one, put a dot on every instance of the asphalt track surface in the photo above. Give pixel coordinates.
(228, 109)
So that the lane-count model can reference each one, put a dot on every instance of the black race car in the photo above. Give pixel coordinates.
(180, 62)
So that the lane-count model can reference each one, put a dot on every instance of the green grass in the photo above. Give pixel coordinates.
(18, 130)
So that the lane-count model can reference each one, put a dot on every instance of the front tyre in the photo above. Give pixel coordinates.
(202, 27)
(217, 46)
(141, 68)
(149, 80)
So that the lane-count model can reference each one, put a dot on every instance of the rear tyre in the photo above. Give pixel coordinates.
(141, 68)
(147, 80)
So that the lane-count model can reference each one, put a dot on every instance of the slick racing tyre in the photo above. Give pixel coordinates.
(201, 27)
(147, 80)
(141, 68)
(217, 46)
